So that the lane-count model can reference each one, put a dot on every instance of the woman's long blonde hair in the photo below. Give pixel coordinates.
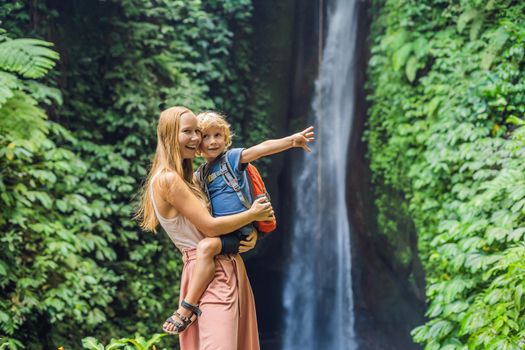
(167, 157)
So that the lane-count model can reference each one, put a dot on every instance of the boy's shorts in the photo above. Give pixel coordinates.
(230, 242)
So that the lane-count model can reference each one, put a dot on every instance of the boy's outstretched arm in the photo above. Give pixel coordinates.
(300, 139)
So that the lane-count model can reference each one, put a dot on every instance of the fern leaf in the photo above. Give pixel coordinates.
(22, 119)
(31, 58)
(8, 82)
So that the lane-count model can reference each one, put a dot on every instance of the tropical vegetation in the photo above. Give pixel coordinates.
(82, 84)
(446, 146)
(78, 106)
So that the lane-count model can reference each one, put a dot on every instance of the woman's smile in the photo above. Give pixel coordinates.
(189, 135)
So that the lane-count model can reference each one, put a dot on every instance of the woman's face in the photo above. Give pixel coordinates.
(189, 135)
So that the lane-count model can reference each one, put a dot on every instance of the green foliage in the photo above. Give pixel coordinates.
(30, 58)
(137, 343)
(46, 267)
(445, 134)
(75, 147)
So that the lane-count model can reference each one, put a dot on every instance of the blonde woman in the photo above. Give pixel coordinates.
(172, 198)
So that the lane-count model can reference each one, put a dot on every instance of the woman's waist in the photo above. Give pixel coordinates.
(184, 239)
(191, 254)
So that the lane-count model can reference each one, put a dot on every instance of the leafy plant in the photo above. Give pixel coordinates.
(446, 139)
(137, 343)
(76, 144)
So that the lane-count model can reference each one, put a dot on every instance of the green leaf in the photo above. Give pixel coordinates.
(518, 294)
(396, 40)
(91, 343)
(62, 205)
(95, 316)
(474, 321)
(8, 83)
(516, 235)
(116, 344)
(440, 329)
(497, 41)
(515, 120)
(466, 17)
(411, 68)
(475, 28)
(90, 279)
(497, 234)
(154, 340)
(400, 57)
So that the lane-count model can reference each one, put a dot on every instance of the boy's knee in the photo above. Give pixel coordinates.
(209, 247)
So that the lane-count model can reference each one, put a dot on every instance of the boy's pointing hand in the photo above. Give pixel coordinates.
(301, 139)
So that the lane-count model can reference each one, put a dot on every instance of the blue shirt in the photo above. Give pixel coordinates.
(224, 200)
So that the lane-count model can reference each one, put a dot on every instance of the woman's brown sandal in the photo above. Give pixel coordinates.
(185, 322)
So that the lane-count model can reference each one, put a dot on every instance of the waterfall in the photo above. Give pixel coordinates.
(317, 293)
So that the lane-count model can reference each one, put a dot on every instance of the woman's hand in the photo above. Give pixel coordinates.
(248, 243)
(301, 139)
(262, 210)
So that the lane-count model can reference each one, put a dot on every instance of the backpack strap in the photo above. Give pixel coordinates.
(213, 176)
(210, 177)
(230, 179)
(200, 173)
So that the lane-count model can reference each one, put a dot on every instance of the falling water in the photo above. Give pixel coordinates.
(318, 298)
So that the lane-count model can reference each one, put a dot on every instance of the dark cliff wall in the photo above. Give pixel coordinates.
(387, 305)
(287, 50)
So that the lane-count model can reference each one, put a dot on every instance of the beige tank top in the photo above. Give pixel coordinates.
(180, 230)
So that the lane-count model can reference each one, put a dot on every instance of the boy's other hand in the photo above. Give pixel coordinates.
(248, 243)
(301, 139)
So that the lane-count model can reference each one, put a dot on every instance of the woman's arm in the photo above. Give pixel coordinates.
(177, 194)
(268, 147)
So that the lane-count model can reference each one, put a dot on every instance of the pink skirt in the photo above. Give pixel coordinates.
(228, 320)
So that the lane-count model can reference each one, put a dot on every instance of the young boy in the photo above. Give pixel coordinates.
(216, 139)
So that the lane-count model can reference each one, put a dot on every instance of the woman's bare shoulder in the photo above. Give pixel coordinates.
(167, 175)
(169, 181)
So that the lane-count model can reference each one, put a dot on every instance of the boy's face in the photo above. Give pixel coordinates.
(213, 143)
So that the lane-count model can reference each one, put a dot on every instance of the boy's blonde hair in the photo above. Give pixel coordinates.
(210, 119)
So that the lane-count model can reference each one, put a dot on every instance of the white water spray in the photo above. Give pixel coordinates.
(318, 299)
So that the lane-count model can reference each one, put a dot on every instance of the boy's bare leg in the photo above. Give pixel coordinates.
(204, 269)
(202, 275)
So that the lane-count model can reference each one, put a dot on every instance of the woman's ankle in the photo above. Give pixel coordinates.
(190, 301)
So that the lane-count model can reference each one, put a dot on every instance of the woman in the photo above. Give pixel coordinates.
(172, 198)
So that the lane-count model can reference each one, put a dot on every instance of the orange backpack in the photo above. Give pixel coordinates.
(255, 184)
(258, 189)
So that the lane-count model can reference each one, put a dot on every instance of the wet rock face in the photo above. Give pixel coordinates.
(388, 295)
(287, 47)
